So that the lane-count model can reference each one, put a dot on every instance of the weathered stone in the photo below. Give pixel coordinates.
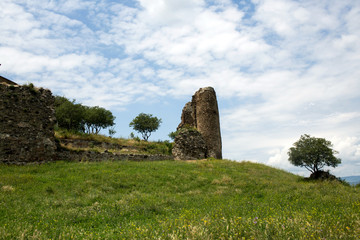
(7, 81)
(202, 113)
(84, 143)
(189, 145)
(26, 124)
(208, 120)
(187, 116)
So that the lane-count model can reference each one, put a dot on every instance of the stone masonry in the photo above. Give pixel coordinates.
(202, 113)
(189, 145)
(27, 119)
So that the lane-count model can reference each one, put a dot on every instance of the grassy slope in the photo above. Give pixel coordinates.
(172, 200)
(129, 145)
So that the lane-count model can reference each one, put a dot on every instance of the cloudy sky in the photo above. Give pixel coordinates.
(281, 68)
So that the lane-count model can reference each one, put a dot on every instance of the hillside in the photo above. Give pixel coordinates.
(100, 143)
(208, 199)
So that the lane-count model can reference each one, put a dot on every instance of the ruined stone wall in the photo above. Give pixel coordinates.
(201, 113)
(93, 156)
(189, 145)
(27, 119)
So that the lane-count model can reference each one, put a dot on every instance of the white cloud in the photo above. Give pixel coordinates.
(170, 12)
(348, 147)
(279, 158)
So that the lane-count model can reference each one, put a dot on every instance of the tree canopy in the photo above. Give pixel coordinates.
(97, 118)
(69, 115)
(75, 116)
(313, 153)
(145, 124)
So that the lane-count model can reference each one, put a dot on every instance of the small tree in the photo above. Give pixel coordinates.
(145, 124)
(112, 131)
(69, 115)
(97, 118)
(75, 116)
(313, 153)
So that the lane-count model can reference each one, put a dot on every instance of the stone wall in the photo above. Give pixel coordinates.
(201, 113)
(27, 119)
(93, 156)
(189, 145)
(7, 81)
(82, 144)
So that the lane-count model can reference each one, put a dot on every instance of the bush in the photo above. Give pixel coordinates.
(31, 88)
(323, 175)
(160, 147)
(186, 127)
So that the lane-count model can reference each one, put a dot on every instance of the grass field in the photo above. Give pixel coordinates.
(209, 199)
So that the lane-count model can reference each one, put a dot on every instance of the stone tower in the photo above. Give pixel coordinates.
(202, 113)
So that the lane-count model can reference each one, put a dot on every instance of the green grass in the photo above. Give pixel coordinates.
(133, 146)
(213, 199)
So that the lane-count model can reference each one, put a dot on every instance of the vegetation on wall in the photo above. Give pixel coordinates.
(127, 146)
(186, 127)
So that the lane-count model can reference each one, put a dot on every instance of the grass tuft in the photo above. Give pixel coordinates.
(7, 188)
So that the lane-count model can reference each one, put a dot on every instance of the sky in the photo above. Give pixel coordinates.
(280, 68)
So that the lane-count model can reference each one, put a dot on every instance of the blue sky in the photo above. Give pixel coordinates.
(281, 68)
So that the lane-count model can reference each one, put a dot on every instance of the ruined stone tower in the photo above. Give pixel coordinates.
(202, 113)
